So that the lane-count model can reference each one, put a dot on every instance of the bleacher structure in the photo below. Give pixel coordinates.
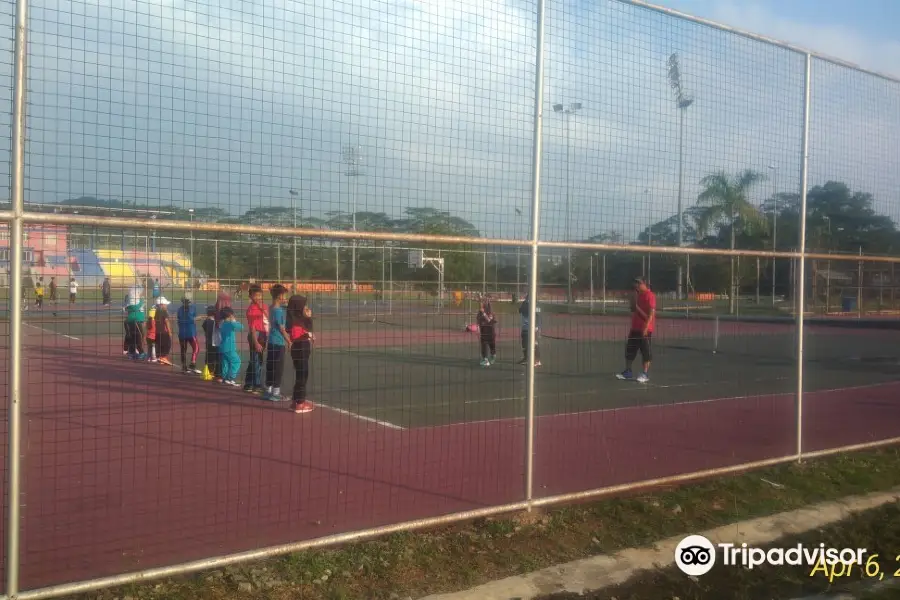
(48, 255)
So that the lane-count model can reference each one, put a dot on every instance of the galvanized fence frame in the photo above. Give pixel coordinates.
(17, 217)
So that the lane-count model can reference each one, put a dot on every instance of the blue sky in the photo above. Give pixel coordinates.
(232, 103)
(864, 32)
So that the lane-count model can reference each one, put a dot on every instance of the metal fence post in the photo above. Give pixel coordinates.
(533, 270)
(801, 262)
(17, 198)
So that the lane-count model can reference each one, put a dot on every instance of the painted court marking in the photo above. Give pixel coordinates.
(657, 406)
(348, 413)
(50, 331)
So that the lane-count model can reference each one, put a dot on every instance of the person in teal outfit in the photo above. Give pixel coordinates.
(134, 317)
(228, 354)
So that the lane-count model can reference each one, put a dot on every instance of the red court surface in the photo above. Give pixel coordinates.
(127, 471)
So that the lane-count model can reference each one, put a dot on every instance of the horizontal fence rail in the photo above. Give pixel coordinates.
(455, 216)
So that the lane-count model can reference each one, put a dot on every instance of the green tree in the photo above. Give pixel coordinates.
(725, 201)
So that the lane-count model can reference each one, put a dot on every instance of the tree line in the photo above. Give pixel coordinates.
(839, 221)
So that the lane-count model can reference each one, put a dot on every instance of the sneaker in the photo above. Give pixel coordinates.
(523, 361)
(272, 397)
(124, 352)
(484, 362)
(193, 369)
(538, 363)
(164, 361)
(625, 375)
(493, 359)
(218, 379)
(232, 383)
(643, 378)
(142, 356)
(303, 407)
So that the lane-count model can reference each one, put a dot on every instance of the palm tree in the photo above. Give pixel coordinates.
(724, 199)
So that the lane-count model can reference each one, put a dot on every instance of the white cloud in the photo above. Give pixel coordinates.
(834, 40)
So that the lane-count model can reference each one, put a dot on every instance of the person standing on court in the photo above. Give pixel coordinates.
(73, 289)
(163, 331)
(278, 337)
(54, 294)
(228, 354)
(524, 314)
(643, 319)
(187, 335)
(487, 329)
(300, 331)
(257, 337)
(106, 291)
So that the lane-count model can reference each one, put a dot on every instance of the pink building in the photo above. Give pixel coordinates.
(45, 252)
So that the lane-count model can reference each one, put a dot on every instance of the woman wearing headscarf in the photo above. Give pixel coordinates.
(299, 328)
(223, 301)
(487, 329)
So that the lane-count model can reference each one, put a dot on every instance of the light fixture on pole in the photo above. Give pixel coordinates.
(774, 170)
(568, 112)
(293, 194)
(353, 159)
(682, 102)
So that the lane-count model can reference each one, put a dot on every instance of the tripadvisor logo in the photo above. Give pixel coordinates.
(695, 555)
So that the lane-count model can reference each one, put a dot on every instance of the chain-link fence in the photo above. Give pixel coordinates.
(404, 170)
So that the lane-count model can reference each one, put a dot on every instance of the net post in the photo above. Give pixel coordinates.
(801, 262)
(533, 267)
(16, 302)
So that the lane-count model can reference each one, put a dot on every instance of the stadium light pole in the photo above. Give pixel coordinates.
(774, 170)
(567, 113)
(353, 160)
(293, 194)
(682, 102)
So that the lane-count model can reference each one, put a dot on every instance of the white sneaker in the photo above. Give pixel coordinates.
(643, 378)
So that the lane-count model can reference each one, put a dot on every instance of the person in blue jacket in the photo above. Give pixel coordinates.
(187, 335)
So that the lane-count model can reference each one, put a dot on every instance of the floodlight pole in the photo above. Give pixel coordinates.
(682, 102)
(567, 113)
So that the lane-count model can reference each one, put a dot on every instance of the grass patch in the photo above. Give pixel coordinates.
(456, 557)
(877, 530)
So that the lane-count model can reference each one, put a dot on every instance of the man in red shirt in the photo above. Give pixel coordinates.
(643, 318)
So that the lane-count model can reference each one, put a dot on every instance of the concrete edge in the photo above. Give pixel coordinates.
(603, 571)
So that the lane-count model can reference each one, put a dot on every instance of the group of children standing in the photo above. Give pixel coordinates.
(488, 325)
(273, 332)
(39, 292)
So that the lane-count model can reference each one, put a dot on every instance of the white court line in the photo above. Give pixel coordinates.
(646, 406)
(623, 388)
(387, 424)
(49, 331)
